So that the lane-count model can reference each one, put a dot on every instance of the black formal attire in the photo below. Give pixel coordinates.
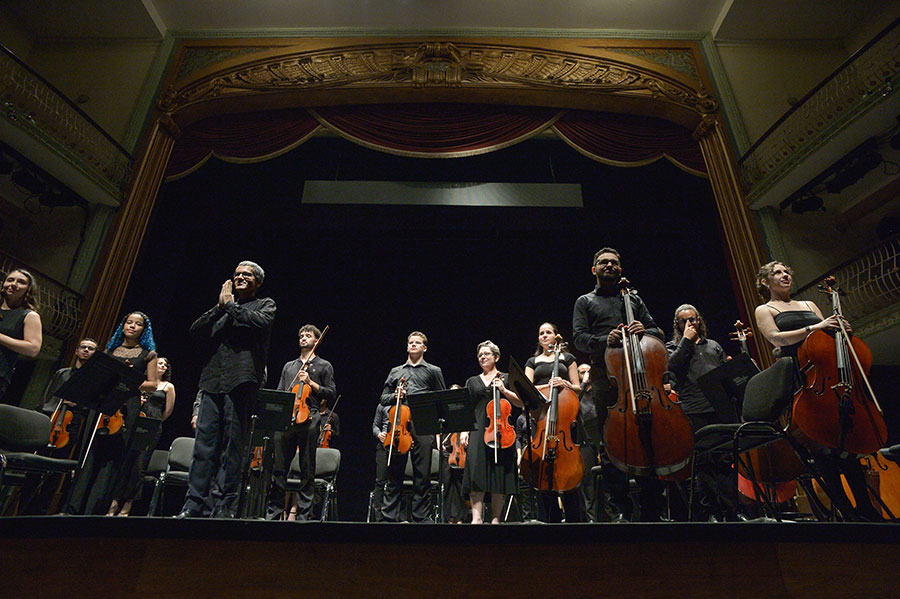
(481, 474)
(454, 502)
(830, 465)
(111, 468)
(573, 500)
(380, 424)
(303, 437)
(49, 404)
(688, 361)
(235, 339)
(333, 418)
(12, 323)
(420, 378)
(596, 314)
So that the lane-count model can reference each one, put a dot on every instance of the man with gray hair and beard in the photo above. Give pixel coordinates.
(234, 337)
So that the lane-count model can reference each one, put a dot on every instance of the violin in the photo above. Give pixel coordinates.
(325, 434)
(554, 462)
(498, 412)
(457, 457)
(646, 433)
(399, 438)
(836, 409)
(301, 390)
(59, 426)
(110, 424)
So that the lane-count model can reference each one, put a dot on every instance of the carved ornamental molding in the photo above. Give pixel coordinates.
(440, 64)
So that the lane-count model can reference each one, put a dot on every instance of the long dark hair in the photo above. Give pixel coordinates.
(539, 350)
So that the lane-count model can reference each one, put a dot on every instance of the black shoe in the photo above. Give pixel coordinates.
(186, 514)
(224, 512)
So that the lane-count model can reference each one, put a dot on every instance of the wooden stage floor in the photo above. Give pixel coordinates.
(95, 556)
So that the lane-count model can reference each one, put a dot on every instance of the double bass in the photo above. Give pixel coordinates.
(646, 433)
(554, 462)
(302, 390)
(499, 433)
(836, 409)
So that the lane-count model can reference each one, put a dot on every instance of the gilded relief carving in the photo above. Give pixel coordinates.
(442, 64)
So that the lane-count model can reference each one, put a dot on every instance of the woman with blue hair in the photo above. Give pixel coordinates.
(110, 479)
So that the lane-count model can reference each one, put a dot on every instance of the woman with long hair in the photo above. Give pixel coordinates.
(20, 324)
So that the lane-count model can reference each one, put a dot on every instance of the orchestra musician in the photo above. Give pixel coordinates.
(590, 447)
(109, 478)
(420, 376)
(786, 323)
(481, 474)
(235, 335)
(51, 404)
(20, 324)
(330, 422)
(539, 370)
(380, 426)
(691, 355)
(597, 321)
(308, 369)
(454, 504)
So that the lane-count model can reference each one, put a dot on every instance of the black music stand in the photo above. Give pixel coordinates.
(532, 399)
(724, 385)
(273, 414)
(436, 412)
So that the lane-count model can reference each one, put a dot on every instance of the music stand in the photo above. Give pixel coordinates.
(434, 412)
(724, 385)
(273, 414)
(532, 399)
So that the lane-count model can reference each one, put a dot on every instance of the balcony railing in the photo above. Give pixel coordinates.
(58, 305)
(862, 81)
(871, 282)
(34, 105)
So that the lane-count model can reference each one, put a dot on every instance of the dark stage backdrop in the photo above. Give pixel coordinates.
(376, 273)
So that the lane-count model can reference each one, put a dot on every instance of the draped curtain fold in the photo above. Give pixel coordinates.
(436, 131)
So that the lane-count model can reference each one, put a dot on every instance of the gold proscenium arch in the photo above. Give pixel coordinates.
(652, 78)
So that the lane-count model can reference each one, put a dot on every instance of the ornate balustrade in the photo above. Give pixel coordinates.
(32, 104)
(861, 82)
(58, 305)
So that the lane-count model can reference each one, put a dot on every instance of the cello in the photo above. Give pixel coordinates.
(398, 437)
(302, 390)
(832, 410)
(645, 432)
(498, 413)
(554, 462)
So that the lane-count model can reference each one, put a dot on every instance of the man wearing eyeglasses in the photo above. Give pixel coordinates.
(598, 320)
(691, 355)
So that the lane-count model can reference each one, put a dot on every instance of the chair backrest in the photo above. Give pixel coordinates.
(181, 453)
(23, 430)
(328, 462)
(770, 392)
(158, 462)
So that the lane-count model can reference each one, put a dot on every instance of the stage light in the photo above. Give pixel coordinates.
(808, 203)
(854, 170)
(28, 181)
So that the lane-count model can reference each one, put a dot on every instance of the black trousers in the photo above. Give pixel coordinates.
(381, 477)
(222, 427)
(420, 454)
(303, 437)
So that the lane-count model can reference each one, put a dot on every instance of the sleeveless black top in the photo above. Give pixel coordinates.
(12, 324)
(791, 321)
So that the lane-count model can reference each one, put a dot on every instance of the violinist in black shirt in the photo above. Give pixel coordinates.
(235, 335)
(420, 376)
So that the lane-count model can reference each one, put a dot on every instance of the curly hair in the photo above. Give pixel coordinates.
(765, 271)
(30, 298)
(167, 375)
(677, 331)
(146, 339)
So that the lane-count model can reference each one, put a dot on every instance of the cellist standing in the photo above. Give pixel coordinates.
(419, 376)
(318, 374)
(597, 321)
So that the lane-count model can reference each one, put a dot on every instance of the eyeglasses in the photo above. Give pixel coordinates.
(691, 319)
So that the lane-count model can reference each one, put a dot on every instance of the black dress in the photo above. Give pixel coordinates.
(12, 323)
(481, 474)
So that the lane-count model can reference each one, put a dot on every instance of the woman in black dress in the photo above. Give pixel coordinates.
(482, 475)
(539, 370)
(786, 323)
(20, 325)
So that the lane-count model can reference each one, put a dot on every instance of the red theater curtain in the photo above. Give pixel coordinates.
(435, 131)
(244, 137)
(630, 140)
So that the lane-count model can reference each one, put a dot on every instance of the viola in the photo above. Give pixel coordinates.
(301, 390)
(457, 457)
(325, 434)
(554, 462)
(498, 412)
(646, 433)
(836, 409)
(59, 426)
(110, 424)
(399, 438)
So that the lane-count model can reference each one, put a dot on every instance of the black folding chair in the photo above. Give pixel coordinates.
(178, 465)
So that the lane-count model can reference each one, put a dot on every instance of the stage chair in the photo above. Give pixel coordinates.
(328, 463)
(178, 465)
(23, 432)
(766, 397)
(159, 461)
